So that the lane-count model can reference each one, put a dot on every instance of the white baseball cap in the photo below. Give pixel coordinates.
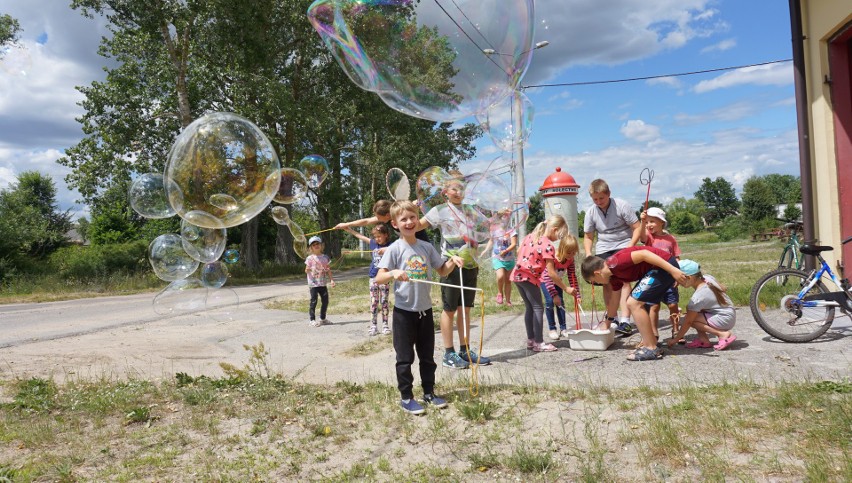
(658, 213)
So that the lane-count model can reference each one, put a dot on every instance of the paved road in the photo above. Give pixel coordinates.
(122, 337)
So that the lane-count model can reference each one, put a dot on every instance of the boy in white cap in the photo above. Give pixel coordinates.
(318, 269)
(653, 234)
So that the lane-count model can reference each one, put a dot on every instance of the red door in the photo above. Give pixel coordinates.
(840, 65)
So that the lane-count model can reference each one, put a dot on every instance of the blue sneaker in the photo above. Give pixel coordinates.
(411, 406)
(434, 401)
(624, 328)
(452, 360)
(474, 358)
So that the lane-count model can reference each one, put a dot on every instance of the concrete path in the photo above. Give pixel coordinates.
(122, 337)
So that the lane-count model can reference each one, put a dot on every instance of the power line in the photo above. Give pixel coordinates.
(613, 81)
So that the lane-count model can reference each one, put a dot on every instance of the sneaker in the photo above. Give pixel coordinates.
(411, 406)
(499, 299)
(386, 330)
(564, 333)
(530, 344)
(554, 335)
(373, 330)
(474, 358)
(453, 360)
(434, 401)
(544, 347)
(325, 322)
(314, 323)
(624, 328)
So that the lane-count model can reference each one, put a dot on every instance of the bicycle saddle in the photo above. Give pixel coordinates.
(814, 249)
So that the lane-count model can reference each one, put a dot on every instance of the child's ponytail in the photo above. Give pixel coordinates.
(717, 289)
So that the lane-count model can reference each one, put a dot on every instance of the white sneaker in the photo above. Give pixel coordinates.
(314, 323)
(373, 331)
(564, 333)
(554, 335)
(325, 322)
(386, 330)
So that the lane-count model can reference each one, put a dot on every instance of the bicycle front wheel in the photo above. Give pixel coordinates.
(785, 262)
(777, 309)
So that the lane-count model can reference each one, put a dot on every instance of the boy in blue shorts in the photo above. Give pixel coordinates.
(405, 261)
(654, 269)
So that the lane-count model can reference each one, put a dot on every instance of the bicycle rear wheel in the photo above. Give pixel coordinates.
(776, 309)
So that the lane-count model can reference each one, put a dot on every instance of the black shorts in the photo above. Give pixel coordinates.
(451, 296)
(654, 284)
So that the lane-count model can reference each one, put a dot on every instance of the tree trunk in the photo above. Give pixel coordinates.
(284, 254)
(248, 245)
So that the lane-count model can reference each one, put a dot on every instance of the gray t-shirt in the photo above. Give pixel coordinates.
(458, 224)
(612, 226)
(416, 260)
(722, 317)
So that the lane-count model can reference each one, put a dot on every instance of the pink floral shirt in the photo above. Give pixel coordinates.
(532, 259)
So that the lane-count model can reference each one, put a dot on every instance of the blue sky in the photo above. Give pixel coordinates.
(732, 124)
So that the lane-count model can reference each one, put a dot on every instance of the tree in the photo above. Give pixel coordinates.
(684, 222)
(719, 198)
(536, 204)
(262, 60)
(758, 201)
(33, 224)
(9, 30)
(785, 188)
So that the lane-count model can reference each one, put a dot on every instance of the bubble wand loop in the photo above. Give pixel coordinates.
(645, 177)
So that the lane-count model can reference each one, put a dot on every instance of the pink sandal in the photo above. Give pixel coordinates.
(725, 343)
(499, 299)
(699, 344)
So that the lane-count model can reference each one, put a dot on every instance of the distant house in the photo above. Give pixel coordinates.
(780, 209)
(74, 237)
(822, 55)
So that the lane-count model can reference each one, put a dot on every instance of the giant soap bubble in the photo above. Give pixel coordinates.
(292, 188)
(168, 258)
(147, 196)
(315, 168)
(203, 244)
(440, 61)
(500, 121)
(224, 171)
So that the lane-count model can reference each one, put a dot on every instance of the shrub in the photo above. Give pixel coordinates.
(97, 261)
(732, 227)
(684, 223)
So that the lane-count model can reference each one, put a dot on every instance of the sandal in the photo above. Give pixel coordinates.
(699, 344)
(645, 354)
(724, 343)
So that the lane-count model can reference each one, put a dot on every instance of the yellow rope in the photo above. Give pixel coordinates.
(473, 387)
(321, 231)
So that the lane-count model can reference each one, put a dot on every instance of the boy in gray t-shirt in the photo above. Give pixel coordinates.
(405, 261)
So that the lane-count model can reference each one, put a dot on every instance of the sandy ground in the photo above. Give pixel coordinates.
(122, 337)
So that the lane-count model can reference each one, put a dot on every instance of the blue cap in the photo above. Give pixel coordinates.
(314, 239)
(689, 267)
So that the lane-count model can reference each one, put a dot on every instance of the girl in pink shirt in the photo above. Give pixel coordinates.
(535, 257)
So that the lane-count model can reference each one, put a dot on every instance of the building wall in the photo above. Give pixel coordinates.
(821, 19)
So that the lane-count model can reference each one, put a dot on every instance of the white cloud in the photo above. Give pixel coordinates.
(583, 32)
(720, 46)
(731, 112)
(773, 74)
(679, 166)
(672, 82)
(637, 130)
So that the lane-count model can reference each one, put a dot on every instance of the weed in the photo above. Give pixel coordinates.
(477, 411)
(530, 461)
(35, 395)
(138, 415)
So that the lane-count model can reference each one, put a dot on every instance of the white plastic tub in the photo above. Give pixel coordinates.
(591, 340)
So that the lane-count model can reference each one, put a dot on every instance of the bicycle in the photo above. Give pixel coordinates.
(790, 256)
(802, 308)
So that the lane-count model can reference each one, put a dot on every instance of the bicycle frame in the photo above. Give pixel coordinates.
(829, 299)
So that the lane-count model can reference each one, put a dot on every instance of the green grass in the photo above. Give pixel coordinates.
(255, 425)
